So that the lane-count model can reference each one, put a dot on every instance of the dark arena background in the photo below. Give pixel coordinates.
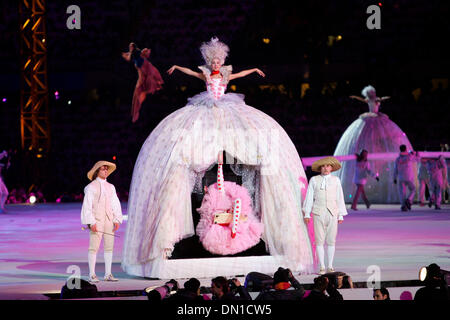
(315, 55)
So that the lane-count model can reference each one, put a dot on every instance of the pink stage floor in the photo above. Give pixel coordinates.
(39, 242)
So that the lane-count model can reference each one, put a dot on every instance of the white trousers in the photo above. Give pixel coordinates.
(402, 185)
(436, 193)
(95, 238)
(325, 228)
(422, 185)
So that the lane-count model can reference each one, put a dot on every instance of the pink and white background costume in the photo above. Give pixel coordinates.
(183, 147)
(376, 133)
(3, 190)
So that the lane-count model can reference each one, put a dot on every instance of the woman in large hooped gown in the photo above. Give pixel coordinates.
(185, 144)
(376, 133)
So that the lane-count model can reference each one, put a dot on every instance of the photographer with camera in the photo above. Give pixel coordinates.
(339, 280)
(321, 285)
(191, 292)
(285, 287)
(226, 290)
(436, 287)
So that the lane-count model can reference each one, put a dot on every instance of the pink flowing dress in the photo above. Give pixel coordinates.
(149, 81)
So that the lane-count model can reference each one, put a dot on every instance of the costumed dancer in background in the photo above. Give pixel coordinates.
(424, 181)
(102, 213)
(149, 78)
(227, 222)
(3, 190)
(325, 200)
(447, 183)
(370, 97)
(362, 171)
(376, 133)
(437, 170)
(404, 171)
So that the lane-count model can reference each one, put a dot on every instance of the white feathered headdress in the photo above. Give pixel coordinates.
(214, 49)
(366, 91)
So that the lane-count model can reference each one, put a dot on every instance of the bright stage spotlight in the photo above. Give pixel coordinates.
(433, 271)
(32, 199)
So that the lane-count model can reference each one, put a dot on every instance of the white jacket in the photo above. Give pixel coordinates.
(92, 193)
(335, 196)
(403, 167)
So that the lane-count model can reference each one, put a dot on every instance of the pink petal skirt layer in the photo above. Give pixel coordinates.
(217, 238)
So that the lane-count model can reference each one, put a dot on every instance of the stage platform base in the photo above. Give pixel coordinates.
(206, 267)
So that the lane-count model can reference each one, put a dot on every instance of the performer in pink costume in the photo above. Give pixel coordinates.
(184, 145)
(227, 222)
(149, 78)
(376, 133)
(3, 190)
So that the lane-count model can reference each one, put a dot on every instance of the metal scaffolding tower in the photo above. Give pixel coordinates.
(34, 115)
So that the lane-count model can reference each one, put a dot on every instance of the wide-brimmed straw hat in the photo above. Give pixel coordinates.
(111, 168)
(332, 161)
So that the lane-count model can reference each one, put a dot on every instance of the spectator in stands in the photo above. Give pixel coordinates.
(21, 196)
(381, 294)
(286, 287)
(12, 197)
(226, 290)
(322, 285)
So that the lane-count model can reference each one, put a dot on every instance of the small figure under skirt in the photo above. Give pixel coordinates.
(227, 223)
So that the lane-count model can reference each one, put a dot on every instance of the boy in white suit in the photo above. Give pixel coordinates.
(102, 213)
(325, 200)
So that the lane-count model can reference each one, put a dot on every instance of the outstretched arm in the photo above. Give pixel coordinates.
(384, 98)
(246, 73)
(359, 98)
(186, 71)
